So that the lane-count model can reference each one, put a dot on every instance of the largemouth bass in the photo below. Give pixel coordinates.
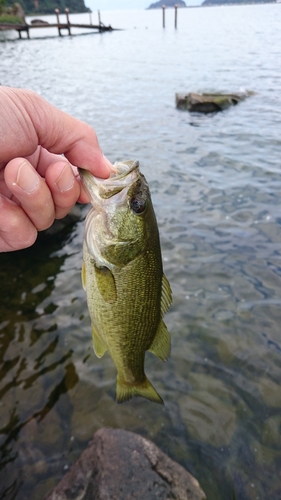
(122, 274)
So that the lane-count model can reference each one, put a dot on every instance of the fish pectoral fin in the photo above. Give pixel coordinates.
(145, 389)
(166, 295)
(161, 344)
(83, 275)
(106, 284)
(99, 346)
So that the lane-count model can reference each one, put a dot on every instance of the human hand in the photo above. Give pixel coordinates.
(37, 183)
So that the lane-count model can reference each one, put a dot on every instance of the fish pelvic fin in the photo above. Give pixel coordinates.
(99, 346)
(145, 389)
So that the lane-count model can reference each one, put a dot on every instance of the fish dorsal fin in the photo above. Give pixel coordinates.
(98, 344)
(83, 275)
(106, 284)
(161, 344)
(166, 296)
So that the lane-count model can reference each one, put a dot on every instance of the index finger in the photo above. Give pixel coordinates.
(34, 121)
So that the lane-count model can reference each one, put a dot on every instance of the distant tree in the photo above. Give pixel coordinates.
(2, 5)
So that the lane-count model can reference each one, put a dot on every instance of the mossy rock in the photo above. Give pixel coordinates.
(8, 19)
(13, 14)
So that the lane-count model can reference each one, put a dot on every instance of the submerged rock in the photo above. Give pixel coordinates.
(118, 464)
(209, 103)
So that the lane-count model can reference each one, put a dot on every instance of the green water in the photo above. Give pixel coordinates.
(221, 386)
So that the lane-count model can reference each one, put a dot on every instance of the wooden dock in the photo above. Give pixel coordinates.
(25, 28)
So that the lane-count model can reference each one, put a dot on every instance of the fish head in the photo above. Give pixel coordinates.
(122, 216)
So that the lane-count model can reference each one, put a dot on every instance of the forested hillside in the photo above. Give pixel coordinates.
(34, 7)
(167, 3)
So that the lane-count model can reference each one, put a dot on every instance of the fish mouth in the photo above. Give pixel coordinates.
(120, 179)
(101, 189)
(123, 169)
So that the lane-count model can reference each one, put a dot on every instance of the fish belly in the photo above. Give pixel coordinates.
(125, 314)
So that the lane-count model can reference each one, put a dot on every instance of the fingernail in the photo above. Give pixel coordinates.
(109, 164)
(66, 179)
(27, 178)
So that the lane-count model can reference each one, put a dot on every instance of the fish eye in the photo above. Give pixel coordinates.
(137, 205)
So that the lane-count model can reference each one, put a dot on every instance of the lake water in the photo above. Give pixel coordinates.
(216, 187)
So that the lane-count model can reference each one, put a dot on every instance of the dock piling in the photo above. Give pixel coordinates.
(163, 15)
(68, 25)
(176, 16)
(57, 12)
(25, 28)
(66, 10)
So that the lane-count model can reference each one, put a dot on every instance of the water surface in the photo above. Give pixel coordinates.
(216, 186)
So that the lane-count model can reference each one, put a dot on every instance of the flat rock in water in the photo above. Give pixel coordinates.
(121, 465)
(209, 103)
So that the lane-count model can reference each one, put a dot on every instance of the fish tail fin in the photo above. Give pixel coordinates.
(145, 389)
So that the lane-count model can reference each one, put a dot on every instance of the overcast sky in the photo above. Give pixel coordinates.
(126, 4)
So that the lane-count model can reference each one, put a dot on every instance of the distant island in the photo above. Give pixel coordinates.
(37, 7)
(180, 3)
(167, 3)
(232, 2)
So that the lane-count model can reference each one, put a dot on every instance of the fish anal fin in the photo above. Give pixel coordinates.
(99, 346)
(166, 295)
(106, 284)
(145, 389)
(83, 275)
(161, 344)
